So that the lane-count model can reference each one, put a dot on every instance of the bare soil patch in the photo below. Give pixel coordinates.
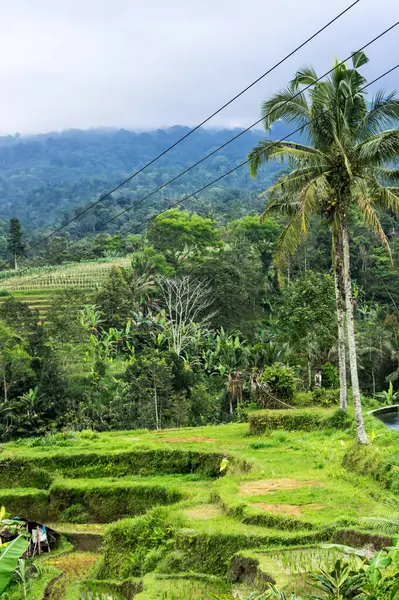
(265, 486)
(203, 511)
(293, 510)
(195, 438)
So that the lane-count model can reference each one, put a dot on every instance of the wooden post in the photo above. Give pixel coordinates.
(38, 540)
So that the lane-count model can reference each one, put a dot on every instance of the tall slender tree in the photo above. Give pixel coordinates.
(346, 166)
(15, 244)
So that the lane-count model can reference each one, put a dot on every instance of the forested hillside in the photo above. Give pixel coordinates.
(44, 178)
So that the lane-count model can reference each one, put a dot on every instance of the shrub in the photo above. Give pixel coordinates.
(380, 462)
(325, 397)
(302, 399)
(88, 434)
(339, 420)
(140, 462)
(205, 405)
(329, 376)
(262, 421)
(280, 380)
(75, 513)
(127, 542)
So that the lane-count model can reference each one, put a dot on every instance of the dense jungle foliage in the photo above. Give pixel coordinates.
(196, 330)
(218, 311)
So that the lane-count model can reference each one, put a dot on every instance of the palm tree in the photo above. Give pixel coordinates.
(345, 167)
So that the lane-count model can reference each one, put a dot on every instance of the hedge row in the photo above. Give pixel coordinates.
(104, 504)
(26, 503)
(212, 552)
(263, 421)
(23, 474)
(15, 472)
(90, 504)
(380, 463)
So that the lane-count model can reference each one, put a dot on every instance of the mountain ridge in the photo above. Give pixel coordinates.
(45, 177)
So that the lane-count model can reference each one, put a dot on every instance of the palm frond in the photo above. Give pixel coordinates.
(287, 105)
(309, 199)
(293, 182)
(378, 149)
(282, 206)
(383, 113)
(297, 229)
(369, 215)
(387, 175)
(304, 76)
(271, 150)
(289, 240)
(389, 524)
(386, 197)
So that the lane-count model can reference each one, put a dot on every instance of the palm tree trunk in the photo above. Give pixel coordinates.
(350, 324)
(338, 280)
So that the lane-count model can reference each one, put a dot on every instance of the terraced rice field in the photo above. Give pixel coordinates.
(77, 275)
(37, 286)
(151, 515)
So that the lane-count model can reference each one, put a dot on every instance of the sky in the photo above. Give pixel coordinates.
(151, 64)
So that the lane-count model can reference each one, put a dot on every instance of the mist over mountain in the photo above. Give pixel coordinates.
(46, 178)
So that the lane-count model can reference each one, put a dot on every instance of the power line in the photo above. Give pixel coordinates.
(185, 198)
(151, 162)
(141, 200)
(164, 185)
(245, 162)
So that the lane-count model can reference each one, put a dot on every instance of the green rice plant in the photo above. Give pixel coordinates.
(86, 275)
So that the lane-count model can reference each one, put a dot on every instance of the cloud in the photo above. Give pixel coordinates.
(139, 65)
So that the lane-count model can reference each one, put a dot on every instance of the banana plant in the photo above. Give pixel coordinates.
(90, 319)
(340, 584)
(11, 553)
(388, 397)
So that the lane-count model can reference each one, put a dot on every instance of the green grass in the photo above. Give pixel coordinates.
(185, 587)
(286, 489)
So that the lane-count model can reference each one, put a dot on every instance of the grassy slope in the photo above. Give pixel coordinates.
(314, 458)
(310, 489)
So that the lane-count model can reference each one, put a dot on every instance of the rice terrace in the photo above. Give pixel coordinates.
(153, 516)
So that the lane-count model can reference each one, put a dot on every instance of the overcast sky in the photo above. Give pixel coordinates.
(144, 64)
